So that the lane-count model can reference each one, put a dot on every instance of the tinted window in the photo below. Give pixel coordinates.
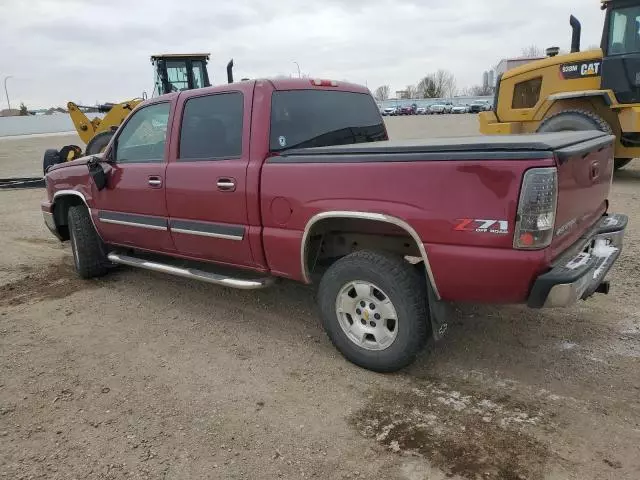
(212, 127)
(316, 118)
(143, 137)
(526, 94)
(624, 34)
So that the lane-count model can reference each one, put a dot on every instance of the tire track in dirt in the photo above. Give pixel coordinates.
(465, 433)
(53, 281)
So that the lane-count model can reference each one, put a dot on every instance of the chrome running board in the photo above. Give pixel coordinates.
(192, 273)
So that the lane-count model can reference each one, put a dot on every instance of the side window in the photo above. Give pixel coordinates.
(212, 127)
(144, 136)
(624, 31)
(526, 94)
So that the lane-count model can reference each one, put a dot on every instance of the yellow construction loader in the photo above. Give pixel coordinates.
(592, 90)
(173, 73)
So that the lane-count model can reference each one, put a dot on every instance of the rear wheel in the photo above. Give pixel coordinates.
(98, 143)
(373, 308)
(578, 120)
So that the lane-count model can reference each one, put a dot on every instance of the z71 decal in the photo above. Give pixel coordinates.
(499, 227)
(580, 70)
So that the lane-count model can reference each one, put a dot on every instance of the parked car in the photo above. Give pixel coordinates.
(438, 108)
(421, 111)
(389, 111)
(477, 107)
(257, 176)
(409, 109)
(460, 109)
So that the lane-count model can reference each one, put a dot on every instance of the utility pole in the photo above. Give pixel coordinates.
(299, 74)
(7, 93)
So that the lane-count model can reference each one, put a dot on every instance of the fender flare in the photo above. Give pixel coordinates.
(74, 193)
(377, 217)
(606, 96)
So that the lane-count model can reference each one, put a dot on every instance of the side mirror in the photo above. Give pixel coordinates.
(97, 172)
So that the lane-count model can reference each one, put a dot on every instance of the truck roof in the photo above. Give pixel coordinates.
(278, 84)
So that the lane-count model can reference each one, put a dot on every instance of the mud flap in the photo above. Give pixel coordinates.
(438, 313)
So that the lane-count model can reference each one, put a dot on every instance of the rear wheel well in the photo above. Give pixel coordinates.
(330, 239)
(594, 105)
(61, 213)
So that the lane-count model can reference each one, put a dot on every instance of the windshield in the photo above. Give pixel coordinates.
(318, 118)
(624, 31)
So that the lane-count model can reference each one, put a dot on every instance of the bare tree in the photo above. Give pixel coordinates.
(382, 93)
(478, 91)
(437, 85)
(446, 83)
(411, 91)
(532, 51)
(426, 87)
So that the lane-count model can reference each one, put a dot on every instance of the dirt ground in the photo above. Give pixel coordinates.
(141, 375)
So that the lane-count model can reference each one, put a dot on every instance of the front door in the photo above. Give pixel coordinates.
(206, 177)
(132, 210)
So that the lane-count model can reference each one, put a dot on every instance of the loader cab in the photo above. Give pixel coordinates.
(175, 73)
(621, 50)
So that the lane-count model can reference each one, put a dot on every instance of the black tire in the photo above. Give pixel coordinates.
(402, 285)
(51, 158)
(98, 143)
(578, 120)
(89, 252)
(618, 163)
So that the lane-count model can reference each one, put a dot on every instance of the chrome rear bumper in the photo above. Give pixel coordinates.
(581, 276)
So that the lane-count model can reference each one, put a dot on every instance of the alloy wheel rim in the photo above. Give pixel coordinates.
(366, 315)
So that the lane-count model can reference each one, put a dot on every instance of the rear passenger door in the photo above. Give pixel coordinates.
(206, 177)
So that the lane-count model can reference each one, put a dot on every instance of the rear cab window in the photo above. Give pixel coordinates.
(319, 118)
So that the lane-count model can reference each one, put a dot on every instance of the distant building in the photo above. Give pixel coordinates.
(509, 63)
(485, 79)
(402, 94)
(14, 112)
(492, 78)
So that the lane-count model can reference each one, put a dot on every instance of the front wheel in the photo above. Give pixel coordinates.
(619, 163)
(373, 309)
(89, 253)
(578, 120)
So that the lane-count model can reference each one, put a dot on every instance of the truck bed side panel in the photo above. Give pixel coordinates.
(437, 197)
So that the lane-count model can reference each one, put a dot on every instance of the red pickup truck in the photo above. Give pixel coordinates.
(296, 179)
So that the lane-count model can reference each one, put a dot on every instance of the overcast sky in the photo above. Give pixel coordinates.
(98, 50)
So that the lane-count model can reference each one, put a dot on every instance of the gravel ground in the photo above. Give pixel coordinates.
(140, 375)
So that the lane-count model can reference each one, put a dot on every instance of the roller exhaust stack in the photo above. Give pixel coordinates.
(230, 71)
(577, 32)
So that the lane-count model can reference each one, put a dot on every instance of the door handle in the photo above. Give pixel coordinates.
(155, 181)
(227, 184)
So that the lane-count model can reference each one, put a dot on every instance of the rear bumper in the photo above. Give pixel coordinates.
(580, 275)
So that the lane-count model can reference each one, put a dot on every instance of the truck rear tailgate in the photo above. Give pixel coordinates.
(585, 171)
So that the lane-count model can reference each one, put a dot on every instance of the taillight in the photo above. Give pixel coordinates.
(324, 83)
(536, 209)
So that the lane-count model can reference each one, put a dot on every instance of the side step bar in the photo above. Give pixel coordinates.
(192, 273)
